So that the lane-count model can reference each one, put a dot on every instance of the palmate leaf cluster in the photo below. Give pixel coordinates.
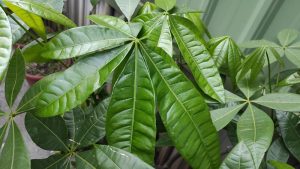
(189, 96)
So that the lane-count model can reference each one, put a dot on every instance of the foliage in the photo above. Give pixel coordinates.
(153, 94)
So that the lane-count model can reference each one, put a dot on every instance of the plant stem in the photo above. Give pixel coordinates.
(27, 31)
(269, 72)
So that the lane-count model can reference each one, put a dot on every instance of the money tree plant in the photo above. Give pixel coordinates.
(167, 75)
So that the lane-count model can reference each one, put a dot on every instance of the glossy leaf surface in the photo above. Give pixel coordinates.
(165, 5)
(55, 161)
(165, 39)
(280, 165)
(17, 31)
(127, 7)
(277, 152)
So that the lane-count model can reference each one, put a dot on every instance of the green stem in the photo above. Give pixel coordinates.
(269, 73)
(27, 31)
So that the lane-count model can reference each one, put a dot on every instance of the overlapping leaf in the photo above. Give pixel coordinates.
(17, 30)
(165, 5)
(127, 7)
(53, 162)
(277, 152)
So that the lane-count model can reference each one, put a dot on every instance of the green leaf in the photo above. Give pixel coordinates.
(94, 2)
(128, 7)
(135, 28)
(6, 43)
(3, 131)
(147, 8)
(55, 161)
(183, 111)
(14, 154)
(107, 157)
(74, 85)
(35, 22)
(259, 44)
(230, 97)
(47, 133)
(150, 22)
(287, 36)
(256, 129)
(198, 58)
(17, 30)
(111, 22)
(132, 104)
(164, 140)
(289, 127)
(239, 158)
(14, 77)
(165, 5)
(39, 9)
(277, 152)
(290, 80)
(55, 4)
(76, 42)
(221, 117)
(280, 101)
(249, 87)
(227, 56)
(293, 56)
(165, 39)
(85, 125)
(196, 19)
(280, 165)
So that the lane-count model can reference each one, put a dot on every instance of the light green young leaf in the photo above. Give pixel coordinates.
(165, 39)
(14, 154)
(288, 124)
(280, 101)
(128, 7)
(39, 9)
(74, 85)
(107, 157)
(147, 8)
(183, 111)
(239, 158)
(14, 77)
(196, 19)
(5, 43)
(287, 36)
(76, 42)
(198, 58)
(280, 165)
(221, 117)
(277, 152)
(166, 4)
(133, 103)
(256, 129)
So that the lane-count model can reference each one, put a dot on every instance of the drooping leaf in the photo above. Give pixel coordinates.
(289, 127)
(183, 111)
(277, 152)
(131, 115)
(221, 117)
(165, 39)
(14, 154)
(17, 30)
(55, 161)
(239, 158)
(127, 7)
(47, 133)
(111, 22)
(287, 36)
(107, 157)
(280, 165)
(39, 9)
(76, 42)
(74, 85)
(6, 43)
(14, 77)
(165, 5)
(198, 58)
(280, 101)
(227, 56)
(255, 128)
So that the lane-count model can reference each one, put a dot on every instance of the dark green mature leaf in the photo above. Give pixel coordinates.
(280, 165)
(76, 42)
(290, 80)
(111, 22)
(288, 123)
(40, 9)
(74, 85)
(3, 132)
(227, 55)
(47, 133)
(198, 58)
(14, 77)
(107, 157)
(56, 161)
(280, 101)
(287, 36)
(131, 114)
(183, 111)
(150, 22)
(239, 158)
(249, 87)
(17, 30)
(165, 5)
(255, 128)
(85, 125)
(35, 22)
(14, 154)
(277, 152)
(127, 7)
(6, 42)
(221, 117)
